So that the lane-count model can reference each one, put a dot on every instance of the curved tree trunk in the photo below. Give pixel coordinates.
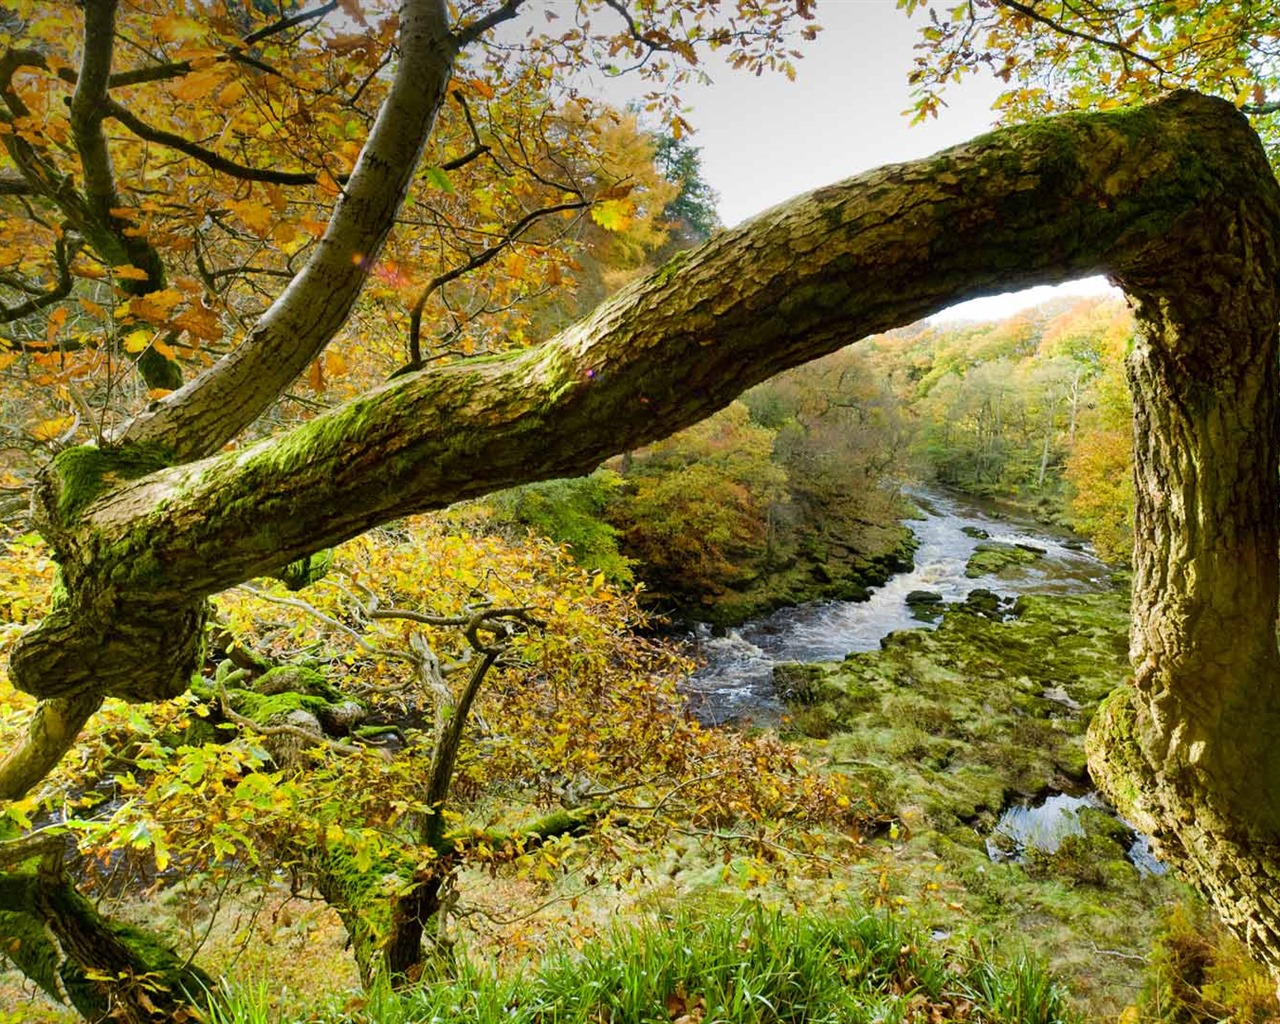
(1175, 201)
(1192, 750)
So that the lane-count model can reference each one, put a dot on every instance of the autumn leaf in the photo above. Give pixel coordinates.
(155, 307)
(335, 365)
(256, 216)
(613, 214)
(130, 273)
(48, 430)
(199, 321)
(619, 191)
(315, 377)
(56, 319)
(196, 86)
(175, 28)
(92, 308)
(231, 94)
(136, 341)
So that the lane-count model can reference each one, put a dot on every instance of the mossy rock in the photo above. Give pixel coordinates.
(301, 679)
(957, 715)
(992, 557)
(798, 682)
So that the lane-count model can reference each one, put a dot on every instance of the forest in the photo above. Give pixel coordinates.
(448, 575)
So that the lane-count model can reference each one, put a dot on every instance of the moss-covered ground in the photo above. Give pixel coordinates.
(953, 725)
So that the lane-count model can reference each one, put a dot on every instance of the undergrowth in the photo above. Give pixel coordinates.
(748, 966)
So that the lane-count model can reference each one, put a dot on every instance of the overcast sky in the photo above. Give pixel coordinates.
(766, 139)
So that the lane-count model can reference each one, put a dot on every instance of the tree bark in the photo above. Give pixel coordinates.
(1190, 751)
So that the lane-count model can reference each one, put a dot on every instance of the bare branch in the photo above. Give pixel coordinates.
(206, 156)
(294, 20)
(468, 34)
(475, 263)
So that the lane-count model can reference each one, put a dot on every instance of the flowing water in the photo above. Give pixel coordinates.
(736, 680)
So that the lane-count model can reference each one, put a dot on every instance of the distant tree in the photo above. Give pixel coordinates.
(692, 213)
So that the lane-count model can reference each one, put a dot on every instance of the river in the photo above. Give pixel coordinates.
(736, 680)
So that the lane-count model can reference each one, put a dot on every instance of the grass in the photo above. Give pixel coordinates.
(744, 966)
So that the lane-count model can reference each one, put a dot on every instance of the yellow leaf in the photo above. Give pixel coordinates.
(613, 214)
(164, 349)
(136, 341)
(196, 86)
(256, 216)
(174, 28)
(334, 364)
(130, 273)
(47, 430)
(231, 94)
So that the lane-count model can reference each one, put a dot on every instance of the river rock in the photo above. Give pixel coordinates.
(991, 557)
(975, 532)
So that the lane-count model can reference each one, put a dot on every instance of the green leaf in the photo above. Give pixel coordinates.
(439, 179)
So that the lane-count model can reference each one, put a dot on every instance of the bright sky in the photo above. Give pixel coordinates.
(766, 139)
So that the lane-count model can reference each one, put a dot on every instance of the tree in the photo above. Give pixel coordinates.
(149, 523)
(1102, 53)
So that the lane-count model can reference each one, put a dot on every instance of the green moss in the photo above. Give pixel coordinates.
(306, 570)
(86, 472)
(959, 716)
(992, 557)
(296, 679)
(669, 269)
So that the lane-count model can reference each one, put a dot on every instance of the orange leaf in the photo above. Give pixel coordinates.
(56, 319)
(130, 273)
(315, 376)
(196, 86)
(335, 365)
(155, 307)
(257, 217)
(199, 321)
(231, 94)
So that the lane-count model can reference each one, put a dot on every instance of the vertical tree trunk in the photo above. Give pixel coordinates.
(1192, 749)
